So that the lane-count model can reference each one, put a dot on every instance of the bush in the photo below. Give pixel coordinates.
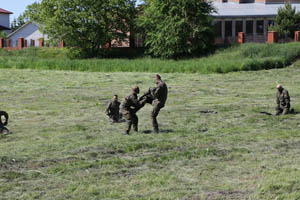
(240, 57)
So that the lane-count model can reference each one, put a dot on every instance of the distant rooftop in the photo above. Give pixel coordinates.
(248, 9)
(2, 11)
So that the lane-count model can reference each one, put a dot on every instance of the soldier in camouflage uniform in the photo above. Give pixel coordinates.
(129, 106)
(282, 100)
(113, 110)
(160, 95)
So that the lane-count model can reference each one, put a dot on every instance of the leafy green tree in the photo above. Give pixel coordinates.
(177, 27)
(32, 12)
(89, 24)
(3, 35)
(287, 21)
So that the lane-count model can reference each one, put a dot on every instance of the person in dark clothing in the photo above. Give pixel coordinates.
(112, 110)
(283, 101)
(160, 95)
(129, 106)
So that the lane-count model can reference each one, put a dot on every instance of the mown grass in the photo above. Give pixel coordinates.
(64, 147)
(238, 58)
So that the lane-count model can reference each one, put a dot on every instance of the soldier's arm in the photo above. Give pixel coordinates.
(157, 91)
(107, 111)
(287, 97)
(137, 104)
(277, 99)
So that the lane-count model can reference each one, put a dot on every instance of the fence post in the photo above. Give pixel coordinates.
(62, 44)
(297, 36)
(1, 43)
(41, 42)
(21, 43)
(272, 37)
(8, 43)
(241, 37)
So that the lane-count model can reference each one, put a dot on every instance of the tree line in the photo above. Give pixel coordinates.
(169, 28)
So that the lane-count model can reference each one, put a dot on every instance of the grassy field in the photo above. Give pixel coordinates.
(237, 58)
(64, 147)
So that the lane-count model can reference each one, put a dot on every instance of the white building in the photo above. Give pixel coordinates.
(4, 20)
(252, 17)
(30, 32)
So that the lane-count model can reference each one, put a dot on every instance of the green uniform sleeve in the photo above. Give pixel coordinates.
(286, 97)
(157, 91)
(277, 99)
(107, 111)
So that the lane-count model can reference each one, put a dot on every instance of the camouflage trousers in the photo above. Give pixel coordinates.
(115, 117)
(154, 114)
(282, 110)
(132, 120)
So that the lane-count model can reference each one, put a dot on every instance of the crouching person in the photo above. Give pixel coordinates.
(283, 101)
(112, 110)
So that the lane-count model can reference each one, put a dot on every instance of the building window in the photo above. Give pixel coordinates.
(249, 27)
(228, 28)
(238, 27)
(271, 23)
(260, 26)
(218, 29)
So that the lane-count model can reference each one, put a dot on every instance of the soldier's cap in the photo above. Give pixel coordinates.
(279, 86)
(135, 89)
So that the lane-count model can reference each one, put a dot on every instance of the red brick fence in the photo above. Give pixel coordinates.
(272, 37)
(22, 43)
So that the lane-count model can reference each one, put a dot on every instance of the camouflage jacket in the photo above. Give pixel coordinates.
(113, 108)
(160, 93)
(283, 99)
(130, 104)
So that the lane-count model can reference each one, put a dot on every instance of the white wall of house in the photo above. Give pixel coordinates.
(4, 20)
(28, 32)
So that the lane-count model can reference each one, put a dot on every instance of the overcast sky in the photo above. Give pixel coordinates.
(17, 6)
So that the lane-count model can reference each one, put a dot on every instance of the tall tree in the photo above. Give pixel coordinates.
(287, 21)
(177, 27)
(17, 23)
(88, 24)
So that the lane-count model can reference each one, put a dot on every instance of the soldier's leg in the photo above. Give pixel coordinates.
(115, 118)
(3, 129)
(278, 110)
(154, 114)
(128, 121)
(286, 111)
(135, 121)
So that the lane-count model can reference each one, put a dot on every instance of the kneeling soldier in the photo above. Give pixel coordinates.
(129, 106)
(113, 109)
(282, 100)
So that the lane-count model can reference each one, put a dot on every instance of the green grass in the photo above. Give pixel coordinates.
(64, 147)
(238, 58)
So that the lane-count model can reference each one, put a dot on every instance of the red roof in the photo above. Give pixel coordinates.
(5, 11)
